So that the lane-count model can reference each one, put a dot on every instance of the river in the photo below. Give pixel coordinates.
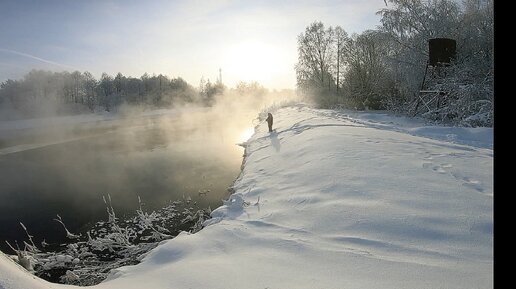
(65, 165)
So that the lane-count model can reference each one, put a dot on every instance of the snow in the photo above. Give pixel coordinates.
(336, 199)
(477, 137)
(14, 276)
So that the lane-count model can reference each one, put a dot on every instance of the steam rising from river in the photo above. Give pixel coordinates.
(65, 164)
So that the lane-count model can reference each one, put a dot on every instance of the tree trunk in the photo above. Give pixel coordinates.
(338, 65)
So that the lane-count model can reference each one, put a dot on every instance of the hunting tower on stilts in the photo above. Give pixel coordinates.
(441, 53)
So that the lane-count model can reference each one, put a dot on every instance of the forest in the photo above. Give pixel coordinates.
(42, 93)
(386, 68)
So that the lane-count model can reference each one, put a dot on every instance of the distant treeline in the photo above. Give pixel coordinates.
(45, 88)
(384, 68)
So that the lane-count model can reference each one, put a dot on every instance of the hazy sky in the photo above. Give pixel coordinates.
(248, 40)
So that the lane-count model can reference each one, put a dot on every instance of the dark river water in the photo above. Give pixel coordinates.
(65, 165)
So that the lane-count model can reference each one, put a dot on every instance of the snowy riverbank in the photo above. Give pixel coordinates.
(336, 200)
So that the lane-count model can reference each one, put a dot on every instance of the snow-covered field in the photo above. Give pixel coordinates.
(336, 200)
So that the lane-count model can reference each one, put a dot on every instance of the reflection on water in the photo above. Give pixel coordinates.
(66, 170)
(246, 134)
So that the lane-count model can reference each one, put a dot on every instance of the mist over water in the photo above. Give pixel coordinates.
(65, 165)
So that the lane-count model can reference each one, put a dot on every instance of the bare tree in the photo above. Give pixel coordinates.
(106, 88)
(314, 56)
(366, 68)
(341, 38)
(76, 79)
(89, 86)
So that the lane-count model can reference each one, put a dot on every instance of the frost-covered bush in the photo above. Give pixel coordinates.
(465, 97)
(88, 258)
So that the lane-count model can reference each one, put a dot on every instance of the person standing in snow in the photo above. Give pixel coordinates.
(269, 121)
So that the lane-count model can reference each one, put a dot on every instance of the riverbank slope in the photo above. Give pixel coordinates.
(338, 200)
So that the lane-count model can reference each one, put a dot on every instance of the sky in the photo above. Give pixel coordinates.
(247, 40)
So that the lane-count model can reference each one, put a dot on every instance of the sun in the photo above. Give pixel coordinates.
(250, 61)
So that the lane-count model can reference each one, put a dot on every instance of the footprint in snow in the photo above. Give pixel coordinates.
(435, 168)
(466, 181)
(470, 182)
